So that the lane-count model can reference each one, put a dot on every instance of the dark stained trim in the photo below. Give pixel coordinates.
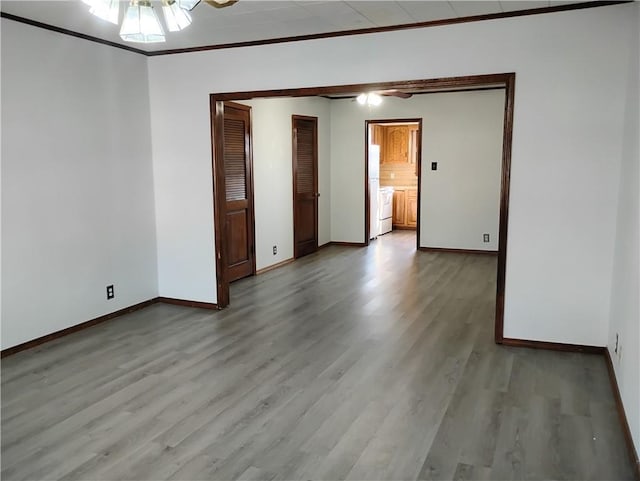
(419, 172)
(275, 266)
(367, 207)
(78, 327)
(451, 83)
(71, 33)
(604, 351)
(390, 28)
(504, 80)
(553, 346)
(505, 182)
(633, 454)
(187, 303)
(346, 244)
(219, 200)
(457, 251)
(98, 320)
(350, 97)
(316, 36)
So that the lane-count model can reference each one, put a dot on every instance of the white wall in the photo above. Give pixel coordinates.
(568, 123)
(460, 201)
(77, 187)
(272, 170)
(625, 313)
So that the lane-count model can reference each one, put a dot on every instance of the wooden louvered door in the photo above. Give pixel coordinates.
(238, 189)
(305, 185)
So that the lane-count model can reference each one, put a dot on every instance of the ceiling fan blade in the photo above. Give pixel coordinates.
(395, 93)
(220, 3)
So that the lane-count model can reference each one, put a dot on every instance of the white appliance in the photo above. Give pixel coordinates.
(374, 186)
(385, 209)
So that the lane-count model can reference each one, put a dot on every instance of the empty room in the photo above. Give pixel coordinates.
(278, 240)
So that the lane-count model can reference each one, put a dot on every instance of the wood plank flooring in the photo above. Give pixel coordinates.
(352, 363)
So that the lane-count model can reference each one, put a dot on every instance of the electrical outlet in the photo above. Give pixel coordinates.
(110, 292)
(275, 250)
(485, 237)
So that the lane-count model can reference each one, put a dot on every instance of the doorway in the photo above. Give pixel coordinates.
(504, 80)
(392, 161)
(305, 184)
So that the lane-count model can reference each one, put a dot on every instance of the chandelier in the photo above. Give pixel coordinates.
(141, 24)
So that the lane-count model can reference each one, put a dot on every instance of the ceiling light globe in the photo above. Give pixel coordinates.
(141, 24)
(362, 99)
(108, 10)
(374, 99)
(188, 4)
(176, 18)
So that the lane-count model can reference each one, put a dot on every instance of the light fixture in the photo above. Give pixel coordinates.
(141, 23)
(105, 9)
(188, 4)
(372, 99)
(175, 17)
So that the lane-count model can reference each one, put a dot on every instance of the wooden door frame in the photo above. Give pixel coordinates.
(504, 80)
(219, 198)
(294, 170)
(367, 201)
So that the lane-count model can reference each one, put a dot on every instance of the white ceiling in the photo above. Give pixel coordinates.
(265, 19)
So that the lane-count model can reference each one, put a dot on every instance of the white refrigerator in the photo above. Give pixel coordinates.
(374, 187)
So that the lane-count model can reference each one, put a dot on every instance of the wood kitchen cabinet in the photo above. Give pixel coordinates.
(412, 207)
(398, 143)
(399, 208)
(405, 208)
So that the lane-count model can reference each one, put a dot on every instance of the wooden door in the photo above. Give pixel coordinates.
(238, 190)
(305, 185)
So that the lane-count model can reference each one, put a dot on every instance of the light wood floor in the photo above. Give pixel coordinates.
(373, 363)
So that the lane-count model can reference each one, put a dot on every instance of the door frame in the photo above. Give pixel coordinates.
(367, 202)
(219, 197)
(294, 169)
(503, 80)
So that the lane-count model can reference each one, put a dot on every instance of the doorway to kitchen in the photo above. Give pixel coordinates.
(393, 159)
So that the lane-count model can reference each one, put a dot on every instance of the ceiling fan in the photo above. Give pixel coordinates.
(394, 93)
